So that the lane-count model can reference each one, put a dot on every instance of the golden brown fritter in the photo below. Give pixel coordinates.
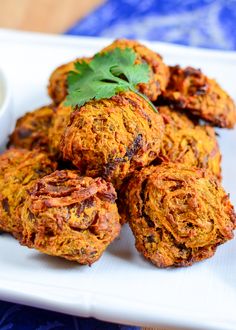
(113, 137)
(191, 90)
(189, 143)
(159, 71)
(31, 130)
(19, 168)
(70, 216)
(57, 87)
(57, 128)
(178, 214)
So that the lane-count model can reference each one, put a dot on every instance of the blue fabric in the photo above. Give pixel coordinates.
(201, 23)
(19, 317)
(205, 23)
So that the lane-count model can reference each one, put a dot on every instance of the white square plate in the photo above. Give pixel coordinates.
(121, 286)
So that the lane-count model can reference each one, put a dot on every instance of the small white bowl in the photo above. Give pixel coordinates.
(6, 115)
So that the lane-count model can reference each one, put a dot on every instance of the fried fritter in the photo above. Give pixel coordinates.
(57, 87)
(190, 89)
(178, 214)
(112, 137)
(189, 143)
(31, 130)
(70, 216)
(160, 71)
(57, 128)
(19, 168)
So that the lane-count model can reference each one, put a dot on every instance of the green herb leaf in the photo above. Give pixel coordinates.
(106, 75)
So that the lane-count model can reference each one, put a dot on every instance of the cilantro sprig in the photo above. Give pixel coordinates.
(106, 75)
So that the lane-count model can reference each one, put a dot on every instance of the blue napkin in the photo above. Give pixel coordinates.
(199, 23)
(19, 317)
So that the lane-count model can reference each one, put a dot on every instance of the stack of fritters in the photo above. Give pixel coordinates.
(165, 167)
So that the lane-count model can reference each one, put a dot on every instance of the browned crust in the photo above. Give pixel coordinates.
(58, 126)
(19, 168)
(189, 143)
(191, 90)
(179, 215)
(113, 137)
(70, 216)
(32, 129)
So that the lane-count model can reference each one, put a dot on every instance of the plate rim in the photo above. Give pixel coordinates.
(90, 300)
